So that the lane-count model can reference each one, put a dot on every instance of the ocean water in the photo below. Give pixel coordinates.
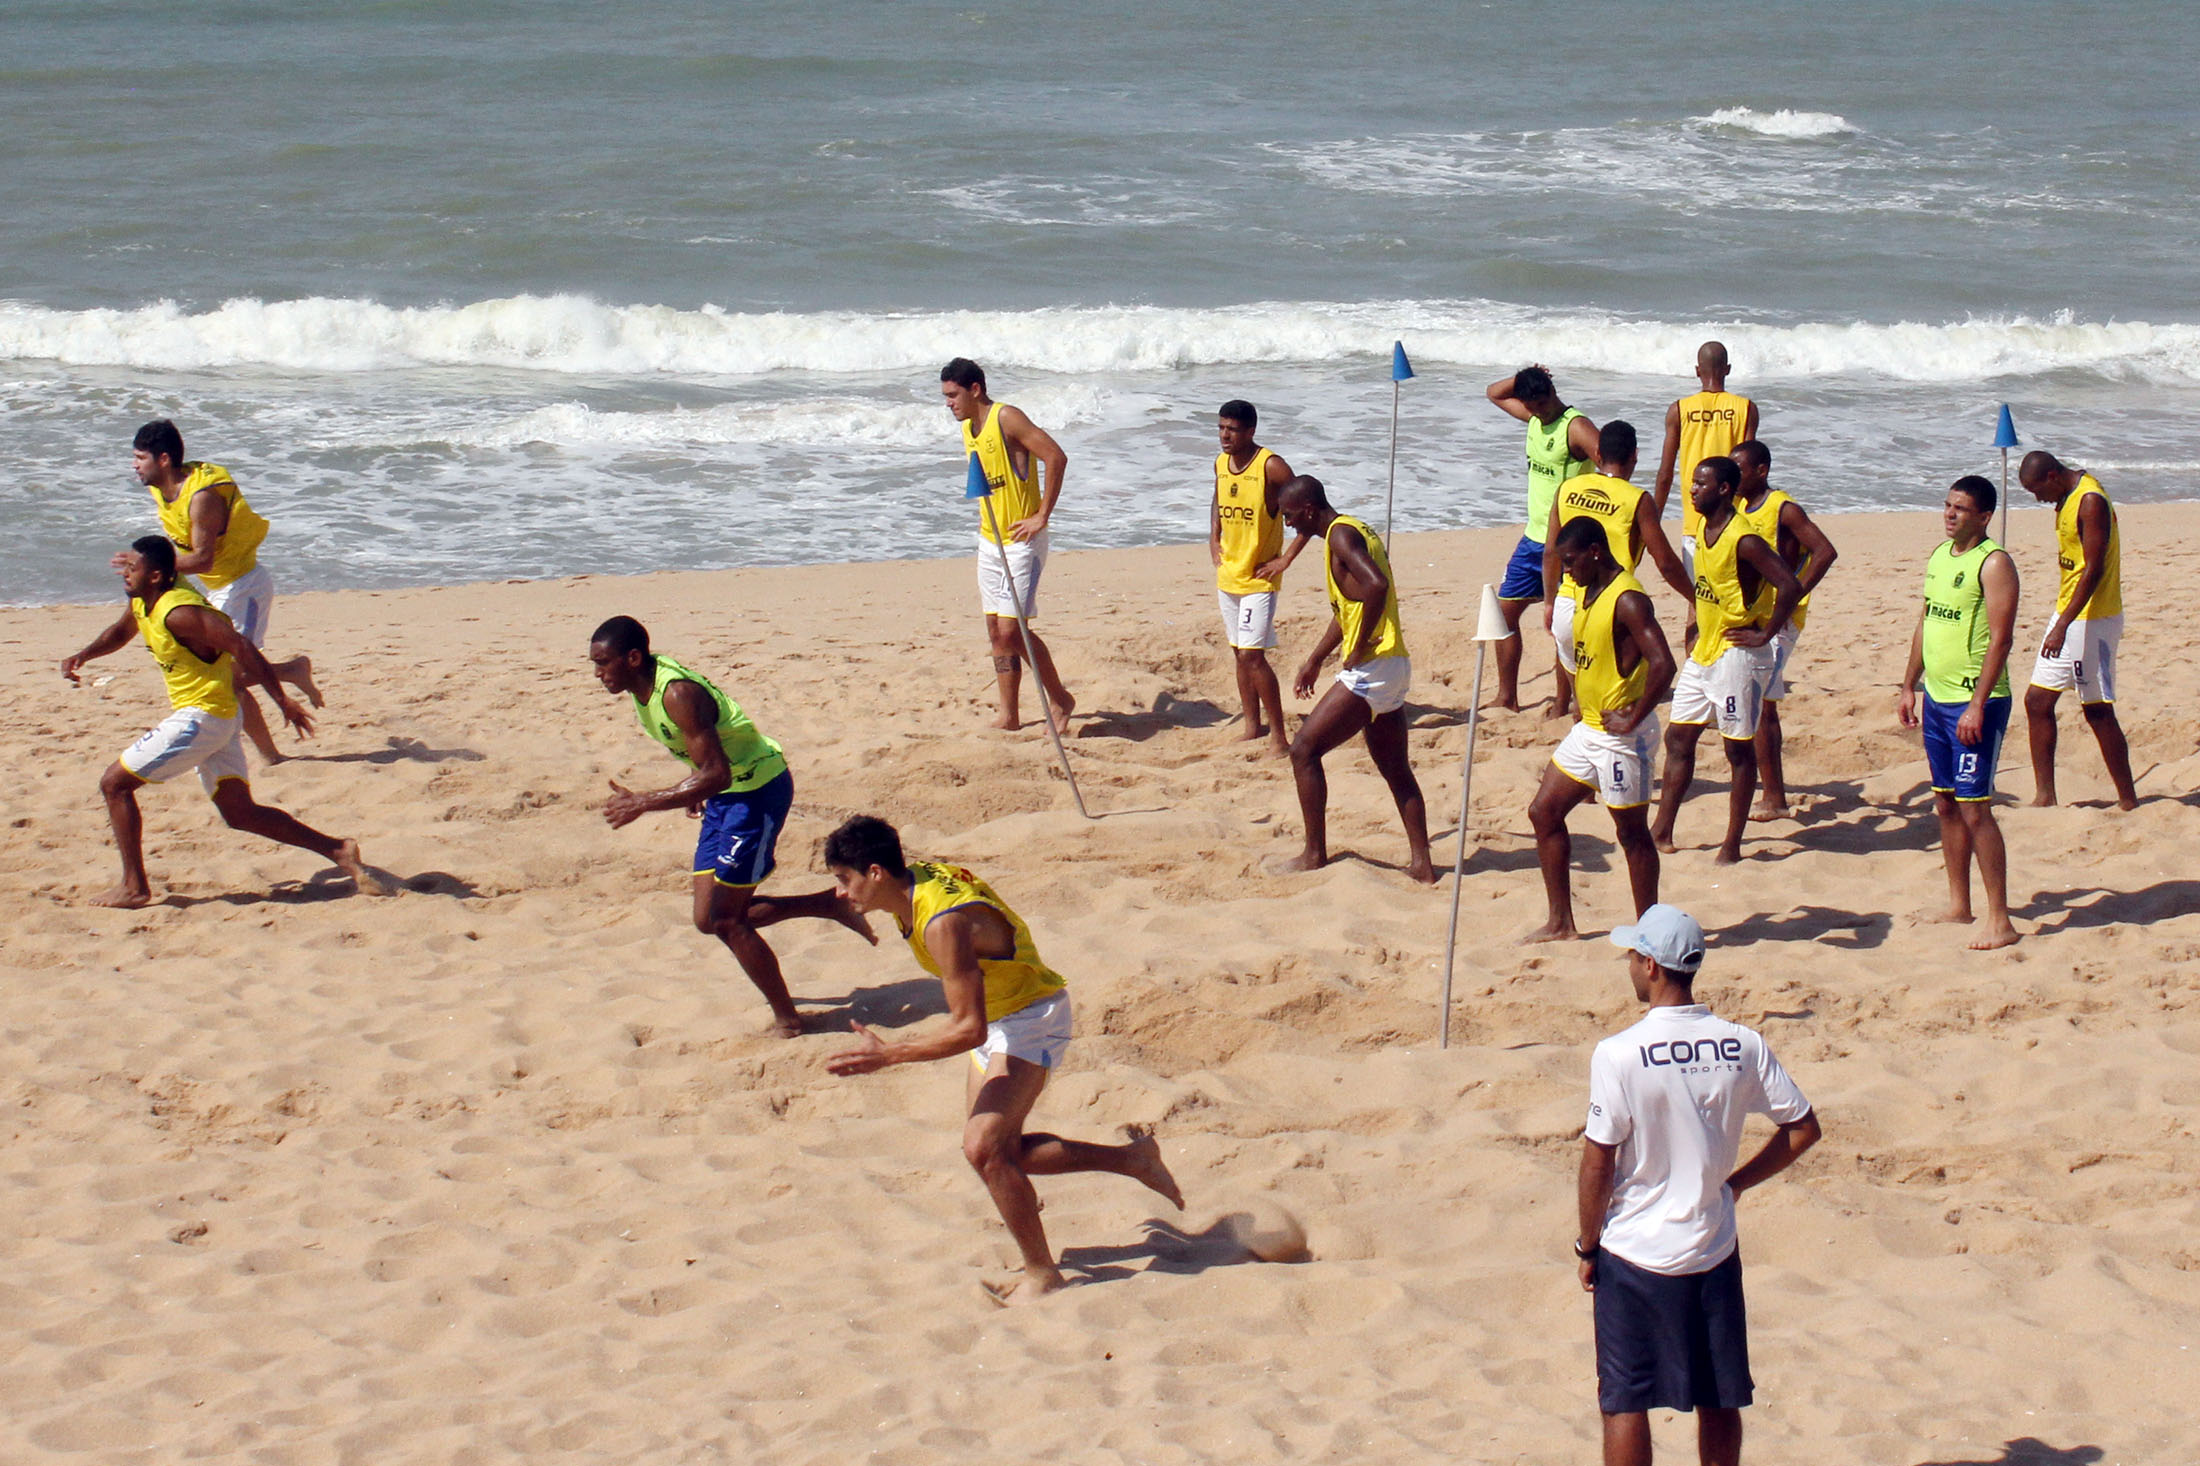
(519, 289)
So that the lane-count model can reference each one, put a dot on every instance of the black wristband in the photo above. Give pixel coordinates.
(1585, 1253)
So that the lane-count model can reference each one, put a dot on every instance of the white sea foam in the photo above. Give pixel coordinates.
(1782, 123)
(840, 423)
(573, 335)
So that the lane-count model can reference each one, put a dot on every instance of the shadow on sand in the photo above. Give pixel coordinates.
(2029, 1451)
(1166, 1248)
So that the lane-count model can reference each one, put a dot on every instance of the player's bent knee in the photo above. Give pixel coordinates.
(2099, 712)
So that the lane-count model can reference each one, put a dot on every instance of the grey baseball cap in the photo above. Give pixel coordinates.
(1667, 936)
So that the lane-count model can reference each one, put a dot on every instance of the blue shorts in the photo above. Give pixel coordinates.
(1523, 573)
(1668, 1342)
(740, 832)
(1965, 770)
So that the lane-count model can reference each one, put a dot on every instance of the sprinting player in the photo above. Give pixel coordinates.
(1961, 650)
(1562, 444)
(217, 538)
(1711, 422)
(1012, 450)
(1622, 669)
(1006, 1008)
(741, 790)
(1774, 517)
(2079, 649)
(1630, 525)
(200, 654)
(1744, 595)
(1668, 1100)
(1369, 695)
(1245, 540)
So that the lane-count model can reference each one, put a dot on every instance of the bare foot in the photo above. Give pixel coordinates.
(1956, 916)
(2131, 803)
(1252, 731)
(1299, 864)
(302, 679)
(1665, 844)
(2004, 935)
(365, 877)
(1027, 1288)
(1148, 1167)
(272, 756)
(787, 1025)
(1280, 745)
(124, 897)
(1550, 931)
(1006, 722)
(2043, 801)
(1727, 857)
(1422, 870)
(1764, 812)
(845, 913)
(1063, 709)
(1506, 705)
(1555, 712)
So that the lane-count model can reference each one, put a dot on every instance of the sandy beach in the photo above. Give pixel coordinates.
(507, 1166)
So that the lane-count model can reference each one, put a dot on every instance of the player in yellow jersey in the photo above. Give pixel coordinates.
(1710, 422)
(1005, 1008)
(1245, 540)
(1561, 444)
(739, 791)
(1780, 522)
(1024, 467)
(2079, 649)
(1622, 669)
(1744, 594)
(1629, 519)
(217, 537)
(1373, 676)
(201, 655)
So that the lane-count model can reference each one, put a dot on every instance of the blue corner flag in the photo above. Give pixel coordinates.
(2005, 431)
(1400, 368)
(975, 486)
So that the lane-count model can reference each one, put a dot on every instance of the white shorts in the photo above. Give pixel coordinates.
(1730, 692)
(1783, 647)
(1026, 561)
(1562, 630)
(188, 738)
(2088, 662)
(247, 602)
(1037, 1033)
(1617, 768)
(1381, 683)
(1688, 556)
(1249, 619)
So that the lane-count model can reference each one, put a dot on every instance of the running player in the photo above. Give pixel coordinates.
(1011, 450)
(2079, 649)
(1622, 669)
(1774, 517)
(200, 654)
(1369, 696)
(1245, 540)
(741, 790)
(1961, 651)
(1744, 595)
(217, 538)
(1006, 1008)
(1707, 423)
(1561, 443)
(1630, 525)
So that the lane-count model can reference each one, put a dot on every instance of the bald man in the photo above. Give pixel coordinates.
(2079, 649)
(1709, 423)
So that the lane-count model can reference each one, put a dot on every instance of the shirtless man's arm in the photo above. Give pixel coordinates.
(1279, 474)
(207, 634)
(953, 938)
(695, 713)
(1025, 436)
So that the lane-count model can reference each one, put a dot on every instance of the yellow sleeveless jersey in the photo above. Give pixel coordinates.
(1764, 522)
(1598, 682)
(1011, 983)
(1610, 502)
(1013, 498)
(191, 683)
(1712, 425)
(240, 548)
(1719, 603)
(1389, 639)
(2108, 595)
(1252, 535)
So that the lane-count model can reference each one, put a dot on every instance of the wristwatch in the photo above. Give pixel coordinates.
(1585, 1253)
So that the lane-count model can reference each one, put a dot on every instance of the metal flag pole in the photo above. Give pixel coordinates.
(2005, 438)
(1400, 370)
(976, 487)
(1490, 627)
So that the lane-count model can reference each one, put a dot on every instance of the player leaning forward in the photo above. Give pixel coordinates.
(741, 791)
(200, 654)
(1006, 1009)
(217, 537)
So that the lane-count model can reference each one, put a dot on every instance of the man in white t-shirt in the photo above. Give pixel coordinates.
(1667, 1102)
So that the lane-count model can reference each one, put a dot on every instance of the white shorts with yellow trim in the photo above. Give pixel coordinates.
(1619, 769)
(1382, 683)
(1783, 647)
(1037, 1033)
(1027, 561)
(1250, 619)
(1730, 692)
(188, 738)
(2088, 660)
(1563, 611)
(247, 601)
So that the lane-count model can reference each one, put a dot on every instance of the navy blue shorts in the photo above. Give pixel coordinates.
(1523, 573)
(1965, 770)
(1670, 1343)
(741, 831)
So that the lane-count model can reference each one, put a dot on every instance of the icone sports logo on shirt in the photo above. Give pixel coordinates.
(1710, 414)
(1666, 1053)
(1236, 511)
